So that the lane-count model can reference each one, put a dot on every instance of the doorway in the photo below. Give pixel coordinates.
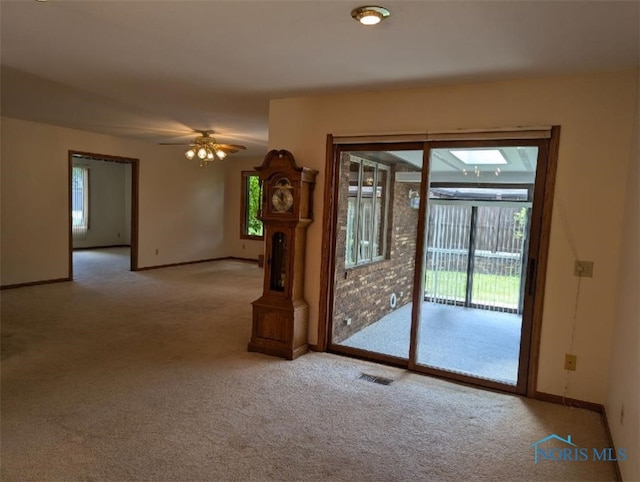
(103, 206)
(438, 256)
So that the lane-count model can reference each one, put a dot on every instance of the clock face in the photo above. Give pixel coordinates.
(282, 199)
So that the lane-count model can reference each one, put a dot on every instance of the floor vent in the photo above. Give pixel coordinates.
(374, 379)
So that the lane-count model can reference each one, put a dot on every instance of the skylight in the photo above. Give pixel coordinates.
(476, 157)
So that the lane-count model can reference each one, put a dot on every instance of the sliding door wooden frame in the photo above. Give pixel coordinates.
(328, 261)
(134, 201)
(532, 276)
(420, 256)
(543, 257)
(537, 260)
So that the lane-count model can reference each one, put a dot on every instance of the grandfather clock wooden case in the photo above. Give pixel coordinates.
(280, 315)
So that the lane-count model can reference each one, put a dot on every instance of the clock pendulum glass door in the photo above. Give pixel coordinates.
(278, 257)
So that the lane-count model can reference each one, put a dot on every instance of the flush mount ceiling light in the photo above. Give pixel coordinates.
(370, 15)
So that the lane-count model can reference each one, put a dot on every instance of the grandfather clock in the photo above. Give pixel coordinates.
(280, 315)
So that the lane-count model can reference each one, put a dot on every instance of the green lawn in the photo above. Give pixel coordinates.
(487, 289)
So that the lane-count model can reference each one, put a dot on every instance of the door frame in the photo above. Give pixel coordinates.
(539, 237)
(135, 163)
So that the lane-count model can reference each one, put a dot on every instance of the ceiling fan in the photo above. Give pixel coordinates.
(206, 148)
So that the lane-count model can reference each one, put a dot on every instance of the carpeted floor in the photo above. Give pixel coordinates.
(480, 343)
(145, 376)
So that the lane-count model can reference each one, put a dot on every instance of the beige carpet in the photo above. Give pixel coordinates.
(124, 376)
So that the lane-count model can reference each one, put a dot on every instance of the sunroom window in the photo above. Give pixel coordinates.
(367, 212)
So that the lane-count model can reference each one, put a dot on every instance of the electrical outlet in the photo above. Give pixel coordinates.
(157, 251)
(347, 321)
(583, 269)
(622, 414)
(570, 362)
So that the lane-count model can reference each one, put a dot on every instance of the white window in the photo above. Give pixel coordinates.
(80, 200)
(367, 212)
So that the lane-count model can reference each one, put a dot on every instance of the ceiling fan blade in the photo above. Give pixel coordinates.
(232, 148)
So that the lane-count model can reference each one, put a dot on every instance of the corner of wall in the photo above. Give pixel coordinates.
(622, 404)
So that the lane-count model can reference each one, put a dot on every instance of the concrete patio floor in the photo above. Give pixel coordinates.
(480, 343)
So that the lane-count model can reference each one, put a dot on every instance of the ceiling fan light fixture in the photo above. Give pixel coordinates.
(370, 14)
(207, 149)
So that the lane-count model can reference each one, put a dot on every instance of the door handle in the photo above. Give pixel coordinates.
(531, 276)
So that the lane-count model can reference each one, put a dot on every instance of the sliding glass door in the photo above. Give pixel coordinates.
(432, 270)
(378, 201)
(477, 236)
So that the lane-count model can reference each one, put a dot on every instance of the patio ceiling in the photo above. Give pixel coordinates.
(516, 165)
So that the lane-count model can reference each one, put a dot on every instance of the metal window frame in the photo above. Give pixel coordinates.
(358, 261)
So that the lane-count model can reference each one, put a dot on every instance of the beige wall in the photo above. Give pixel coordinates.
(237, 247)
(181, 206)
(595, 112)
(624, 368)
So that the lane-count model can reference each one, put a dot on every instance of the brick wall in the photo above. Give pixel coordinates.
(362, 294)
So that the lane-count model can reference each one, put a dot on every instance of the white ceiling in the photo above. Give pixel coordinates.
(158, 69)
